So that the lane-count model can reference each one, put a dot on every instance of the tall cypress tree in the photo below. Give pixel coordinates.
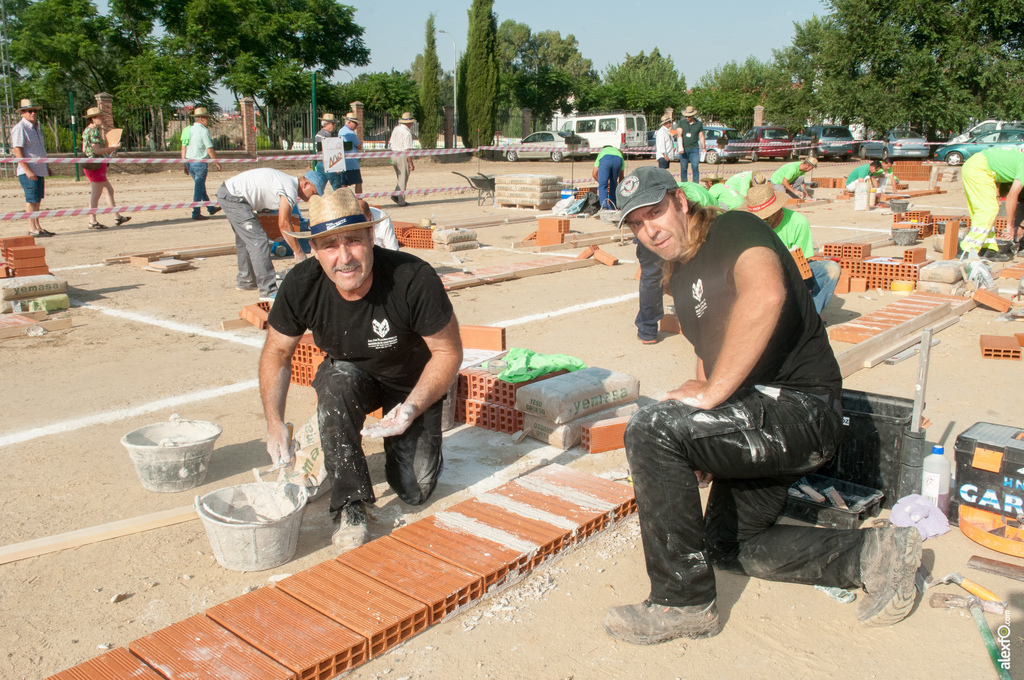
(481, 89)
(430, 91)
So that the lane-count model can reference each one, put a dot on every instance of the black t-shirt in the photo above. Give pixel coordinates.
(382, 333)
(798, 355)
(691, 133)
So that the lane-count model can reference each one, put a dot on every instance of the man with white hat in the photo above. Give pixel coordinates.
(762, 411)
(199, 147)
(401, 140)
(663, 142)
(27, 142)
(392, 342)
(794, 231)
(352, 177)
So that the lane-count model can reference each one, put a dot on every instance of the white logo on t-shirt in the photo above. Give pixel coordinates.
(381, 328)
(698, 295)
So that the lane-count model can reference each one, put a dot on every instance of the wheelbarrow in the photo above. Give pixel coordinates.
(484, 185)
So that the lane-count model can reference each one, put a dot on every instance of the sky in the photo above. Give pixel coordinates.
(697, 35)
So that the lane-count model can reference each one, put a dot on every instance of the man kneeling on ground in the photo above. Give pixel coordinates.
(763, 410)
(392, 342)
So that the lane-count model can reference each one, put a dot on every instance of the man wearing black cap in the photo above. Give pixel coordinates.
(763, 410)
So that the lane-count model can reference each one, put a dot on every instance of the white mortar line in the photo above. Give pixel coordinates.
(175, 326)
(872, 231)
(568, 310)
(78, 266)
(123, 414)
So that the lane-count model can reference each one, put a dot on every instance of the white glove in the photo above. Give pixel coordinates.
(394, 423)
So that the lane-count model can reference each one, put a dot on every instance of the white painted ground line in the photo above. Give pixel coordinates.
(568, 310)
(122, 414)
(175, 326)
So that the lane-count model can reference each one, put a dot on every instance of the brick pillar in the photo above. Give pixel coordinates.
(449, 127)
(670, 112)
(106, 103)
(758, 115)
(357, 111)
(527, 122)
(248, 125)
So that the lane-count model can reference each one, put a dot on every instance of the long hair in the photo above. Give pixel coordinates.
(700, 219)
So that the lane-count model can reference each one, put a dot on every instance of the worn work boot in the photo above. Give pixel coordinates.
(353, 530)
(888, 561)
(649, 624)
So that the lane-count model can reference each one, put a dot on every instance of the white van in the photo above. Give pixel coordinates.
(620, 129)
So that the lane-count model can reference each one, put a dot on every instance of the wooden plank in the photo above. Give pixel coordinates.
(54, 325)
(102, 532)
(852, 360)
(614, 237)
(234, 324)
(909, 342)
(996, 567)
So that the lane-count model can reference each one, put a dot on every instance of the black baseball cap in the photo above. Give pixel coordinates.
(643, 187)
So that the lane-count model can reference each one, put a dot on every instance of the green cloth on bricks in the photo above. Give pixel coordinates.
(525, 364)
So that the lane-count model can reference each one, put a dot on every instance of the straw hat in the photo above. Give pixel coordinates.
(758, 178)
(351, 118)
(407, 119)
(93, 112)
(665, 119)
(336, 212)
(689, 112)
(811, 161)
(764, 201)
(28, 105)
(328, 118)
(200, 112)
(711, 178)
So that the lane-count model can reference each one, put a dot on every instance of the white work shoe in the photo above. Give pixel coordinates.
(353, 530)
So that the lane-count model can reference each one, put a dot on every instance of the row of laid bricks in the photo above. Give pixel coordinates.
(860, 275)
(890, 316)
(336, 615)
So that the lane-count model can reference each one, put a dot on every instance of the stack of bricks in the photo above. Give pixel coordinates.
(580, 193)
(256, 314)
(23, 257)
(847, 251)
(880, 272)
(830, 182)
(411, 236)
(551, 230)
(922, 219)
(482, 400)
(868, 326)
(306, 360)
(912, 171)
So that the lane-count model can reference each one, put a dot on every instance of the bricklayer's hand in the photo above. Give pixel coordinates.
(278, 445)
(394, 423)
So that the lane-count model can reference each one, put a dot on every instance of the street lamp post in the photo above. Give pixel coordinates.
(455, 84)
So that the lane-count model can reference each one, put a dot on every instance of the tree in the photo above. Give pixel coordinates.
(730, 92)
(430, 96)
(649, 83)
(481, 76)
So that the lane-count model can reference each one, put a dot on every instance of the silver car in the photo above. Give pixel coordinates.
(896, 144)
(547, 138)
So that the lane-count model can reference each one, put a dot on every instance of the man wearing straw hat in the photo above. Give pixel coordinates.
(401, 140)
(794, 231)
(691, 139)
(199, 147)
(762, 411)
(663, 142)
(392, 342)
(27, 142)
(329, 125)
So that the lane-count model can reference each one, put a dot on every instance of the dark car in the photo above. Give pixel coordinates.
(824, 141)
(763, 141)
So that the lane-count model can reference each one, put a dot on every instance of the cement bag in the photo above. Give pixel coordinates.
(944, 271)
(569, 434)
(453, 235)
(31, 286)
(308, 469)
(574, 395)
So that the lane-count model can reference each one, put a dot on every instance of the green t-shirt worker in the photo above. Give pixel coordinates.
(790, 177)
(981, 173)
(723, 194)
(744, 180)
(608, 172)
(877, 174)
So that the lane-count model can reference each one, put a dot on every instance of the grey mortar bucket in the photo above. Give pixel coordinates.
(172, 456)
(253, 526)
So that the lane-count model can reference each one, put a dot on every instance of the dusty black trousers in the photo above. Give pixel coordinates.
(756, 445)
(413, 460)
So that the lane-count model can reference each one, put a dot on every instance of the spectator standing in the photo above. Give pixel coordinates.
(94, 144)
(198, 147)
(352, 177)
(691, 137)
(790, 177)
(27, 142)
(329, 126)
(663, 142)
(608, 171)
(401, 140)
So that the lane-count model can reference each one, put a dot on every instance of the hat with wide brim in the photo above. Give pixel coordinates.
(811, 161)
(28, 105)
(407, 119)
(644, 186)
(764, 201)
(711, 177)
(689, 112)
(328, 118)
(351, 118)
(665, 119)
(200, 112)
(336, 212)
(93, 112)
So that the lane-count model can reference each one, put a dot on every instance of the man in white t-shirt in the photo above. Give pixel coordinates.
(663, 142)
(401, 140)
(247, 193)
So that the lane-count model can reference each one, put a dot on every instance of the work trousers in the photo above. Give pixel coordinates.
(756, 445)
(251, 244)
(401, 165)
(652, 294)
(797, 184)
(823, 285)
(608, 180)
(413, 461)
(983, 202)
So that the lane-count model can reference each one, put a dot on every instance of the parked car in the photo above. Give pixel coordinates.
(826, 141)
(548, 138)
(761, 142)
(990, 125)
(717, 153)
(956, 154)
(895, 144)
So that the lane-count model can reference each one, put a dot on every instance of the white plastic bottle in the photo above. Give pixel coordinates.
(935, 479)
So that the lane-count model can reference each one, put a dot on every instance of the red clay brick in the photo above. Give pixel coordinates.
(199, 648)
(915, 255)
(670, 324)
(302, 639)
(27, 263)
(587, 253)
(840, 334)
(991, 300)
(858, 285)
(620, 495)
(550, 539)
(30, 271)
(801, 263)
(555, 225)
(1012, 272)
(117, 664)
(483, 337)
(255, 315)
(604, 435)
(548, 238)
(1000, 347)
(1020, 338)
(590, 520)
(843, 287)
(25, 252)
(605, 258)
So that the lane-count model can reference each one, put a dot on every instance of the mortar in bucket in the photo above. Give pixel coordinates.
(253, 527)
(172, 456)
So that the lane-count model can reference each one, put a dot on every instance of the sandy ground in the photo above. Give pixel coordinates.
(56, 608)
